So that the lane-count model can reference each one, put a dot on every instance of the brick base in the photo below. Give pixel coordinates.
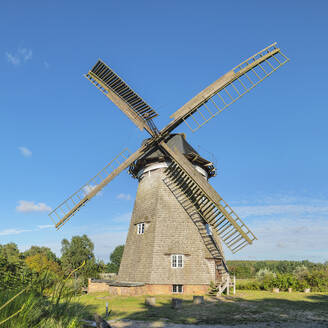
(95, 287)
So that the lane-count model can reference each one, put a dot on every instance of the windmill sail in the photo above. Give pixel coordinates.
(62, 213)
(128, 101)
(229, 88)
(200, 195)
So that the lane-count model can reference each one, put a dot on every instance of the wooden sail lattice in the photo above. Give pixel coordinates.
(189, 206)
(72, 204)
(232, 86)
(231, 229)
(113, 86)
(207, 202)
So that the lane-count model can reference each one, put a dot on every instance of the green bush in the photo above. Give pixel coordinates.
(317, 280)
(249, 285)
(249, 269)
(14, 274)
(283, 282)
(301, 285)
(265, 273)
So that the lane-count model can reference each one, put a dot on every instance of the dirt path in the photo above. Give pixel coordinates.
(163, 324)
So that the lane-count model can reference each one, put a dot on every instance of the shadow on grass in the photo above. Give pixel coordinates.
(233, 310)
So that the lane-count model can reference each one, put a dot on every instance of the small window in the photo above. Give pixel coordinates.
(140, 228)
(208, 229)
(177, 288)
(177, 261)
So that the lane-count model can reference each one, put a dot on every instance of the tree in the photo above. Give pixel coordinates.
(40, 263)
(101, 266)
(79, 249)
(115, 259)
(46, 251)
(10, 251)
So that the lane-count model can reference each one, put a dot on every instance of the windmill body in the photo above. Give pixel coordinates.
(178, 220)
(161, 230)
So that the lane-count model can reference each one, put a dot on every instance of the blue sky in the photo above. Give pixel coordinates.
(57, 130)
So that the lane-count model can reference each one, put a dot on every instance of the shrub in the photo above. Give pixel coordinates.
(317, 280)
(265, 273)
(249, 285)
(301, 271)
(302, 284)
(283, 282)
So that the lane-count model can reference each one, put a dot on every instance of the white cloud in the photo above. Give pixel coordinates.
(288, 228)
(27, 206)
(15, 60)
(25, 151)
(88, 188)
(45, 226)
(293, 209)
(124, 196)
(288, 238)
(14, 231)
(7, 232)
(25, 53)
(22, 55)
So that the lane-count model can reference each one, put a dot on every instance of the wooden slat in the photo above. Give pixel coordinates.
(122, 95)
(67, 215)
(123, 106)
(216, 86)
(211, 205)
(222, 83)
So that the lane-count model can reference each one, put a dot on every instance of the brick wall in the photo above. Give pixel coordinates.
(95, 287)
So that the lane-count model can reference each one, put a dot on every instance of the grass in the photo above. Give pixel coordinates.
(30, 309)
(244, 307)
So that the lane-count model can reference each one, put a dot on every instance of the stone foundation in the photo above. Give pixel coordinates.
(120, 289)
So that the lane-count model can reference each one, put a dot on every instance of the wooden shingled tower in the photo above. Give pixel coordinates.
(179, 221)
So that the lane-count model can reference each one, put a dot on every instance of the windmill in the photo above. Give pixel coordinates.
(179, 220)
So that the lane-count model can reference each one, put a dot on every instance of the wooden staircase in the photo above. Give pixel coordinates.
(223, 281)
(222, 278)
(209, 205)
(223, 284)
(213, 247)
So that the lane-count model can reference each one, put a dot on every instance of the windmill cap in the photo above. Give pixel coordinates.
(176, 140)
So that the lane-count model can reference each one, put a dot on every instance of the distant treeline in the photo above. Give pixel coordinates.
(249, 269)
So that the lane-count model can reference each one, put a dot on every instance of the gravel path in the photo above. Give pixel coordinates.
(163, 324)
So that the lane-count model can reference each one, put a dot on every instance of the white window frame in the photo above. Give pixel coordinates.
(177, 261)
(141, 228)
(177, 289)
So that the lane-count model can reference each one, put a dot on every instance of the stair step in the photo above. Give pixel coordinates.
(220, 215)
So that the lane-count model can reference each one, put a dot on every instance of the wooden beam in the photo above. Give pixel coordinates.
(217, 86)
(101, 185)
(122, 105)
(201, 98)
(207, 189)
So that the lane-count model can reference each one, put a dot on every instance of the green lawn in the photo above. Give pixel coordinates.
(244, 307)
